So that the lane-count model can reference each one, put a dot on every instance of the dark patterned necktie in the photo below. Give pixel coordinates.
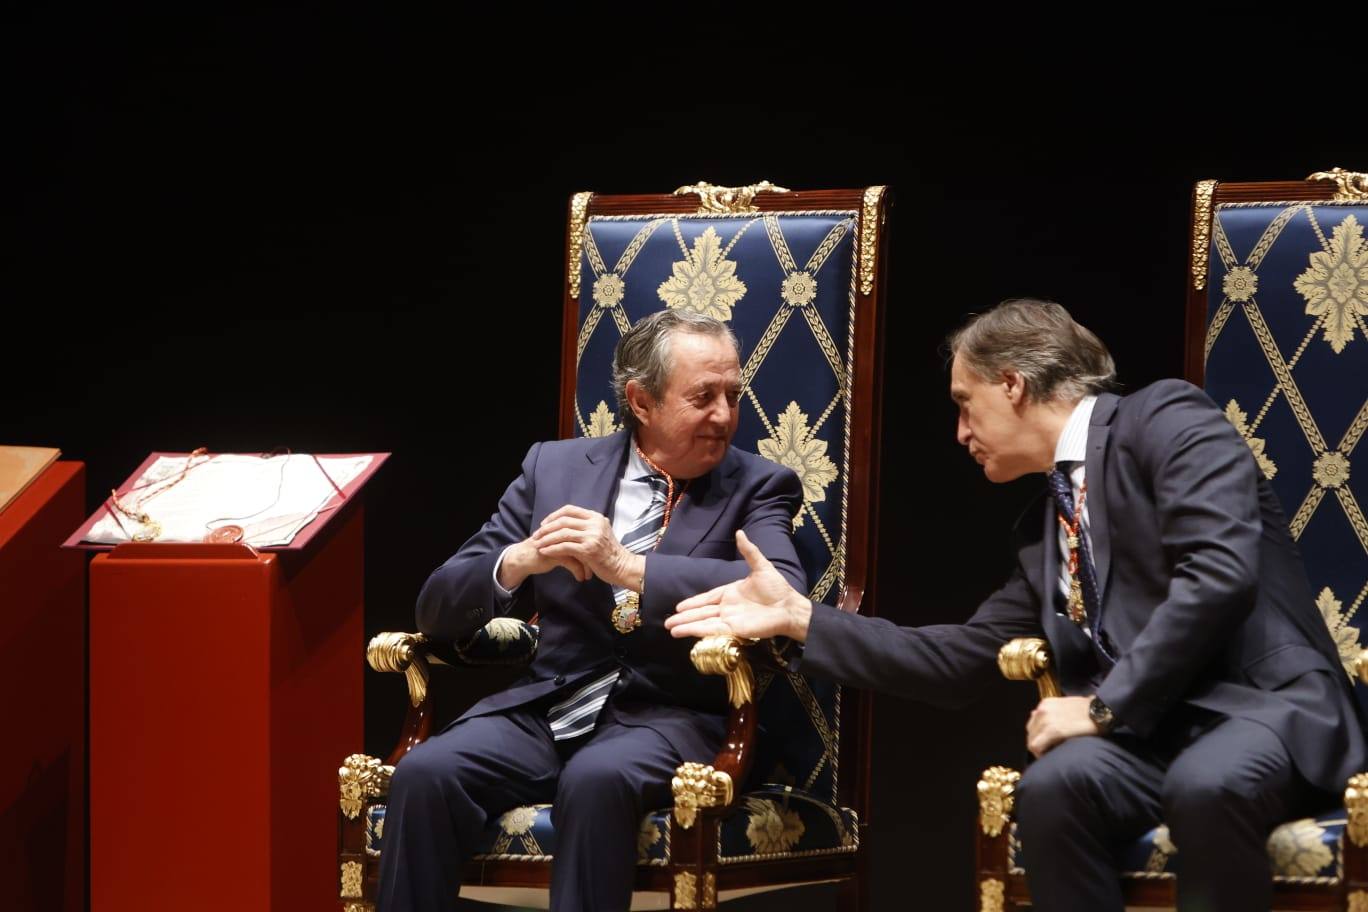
(1061, 489)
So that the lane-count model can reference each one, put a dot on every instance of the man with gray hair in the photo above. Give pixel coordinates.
(600, 537)
(1201, 686)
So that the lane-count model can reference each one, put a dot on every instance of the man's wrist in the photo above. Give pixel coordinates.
(800, 617)
(632, 574)
(513, 567)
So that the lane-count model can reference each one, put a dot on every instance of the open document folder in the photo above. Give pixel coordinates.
(262, 501)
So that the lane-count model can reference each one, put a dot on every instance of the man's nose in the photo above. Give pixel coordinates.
(962, 432)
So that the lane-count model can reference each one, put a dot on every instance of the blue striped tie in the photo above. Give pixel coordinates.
(578, 713)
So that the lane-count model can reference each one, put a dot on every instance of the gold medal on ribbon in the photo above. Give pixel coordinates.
(627, 614)
(1078, 613)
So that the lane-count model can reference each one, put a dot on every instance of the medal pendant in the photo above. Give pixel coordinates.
(1077, 611)
(225, 535)
(627, 614)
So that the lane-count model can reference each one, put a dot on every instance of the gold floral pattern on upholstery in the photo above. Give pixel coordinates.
(1240, 284)
(601, 422)
(1164, 850)
(515, 832)
(771, 828)
(1330, 470)
(609, 290)
(706, 282)
(1335, 285)
(504, 630)
(375, 833)
(1240, 420)
(1337, 620)
(1298, 849)
(650, 834)
(798, 289)
(1304, 851)
(794, 445)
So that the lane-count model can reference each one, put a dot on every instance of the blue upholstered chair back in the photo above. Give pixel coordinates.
(785, 283)
(1287, 358)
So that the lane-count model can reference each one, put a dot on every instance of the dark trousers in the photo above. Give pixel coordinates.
(447, 789)
(1220, 792)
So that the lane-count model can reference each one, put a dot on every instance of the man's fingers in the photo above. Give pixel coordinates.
(569, 510)
(704, 628)
(563, 522)
(560, 537)
(711, 597)
(691, 615)
(754, 558)
(564, 551)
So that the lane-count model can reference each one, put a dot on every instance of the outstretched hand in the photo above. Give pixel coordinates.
(761, 605)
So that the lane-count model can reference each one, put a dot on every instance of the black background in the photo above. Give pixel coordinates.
(344, 233)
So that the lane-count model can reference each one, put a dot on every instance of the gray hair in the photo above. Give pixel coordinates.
(644, 353)
(1060, 360)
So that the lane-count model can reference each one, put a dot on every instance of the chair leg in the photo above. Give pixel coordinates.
(851, 897)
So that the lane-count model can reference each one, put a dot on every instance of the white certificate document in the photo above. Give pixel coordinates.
(258, 500)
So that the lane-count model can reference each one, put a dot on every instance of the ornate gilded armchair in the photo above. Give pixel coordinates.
(799, 276)
(1277, 329)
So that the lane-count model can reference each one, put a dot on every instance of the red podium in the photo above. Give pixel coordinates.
(225, 684)
(42, 674)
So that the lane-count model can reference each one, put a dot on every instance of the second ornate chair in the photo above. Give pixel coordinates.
(1277, 301)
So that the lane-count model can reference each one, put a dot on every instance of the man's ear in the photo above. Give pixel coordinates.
(1014, 386)
(640, 402)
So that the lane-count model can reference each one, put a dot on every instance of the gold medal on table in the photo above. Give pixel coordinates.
(627, 613)
(225, 535)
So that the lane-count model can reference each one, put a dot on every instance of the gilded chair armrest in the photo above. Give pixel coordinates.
(699, 785)
(997, 799)
(1028, 659)
(361, 780)
(406, 653)
(726, 655)
(1356, 806)
(411, 654)
(1361, 666)
(992, 841)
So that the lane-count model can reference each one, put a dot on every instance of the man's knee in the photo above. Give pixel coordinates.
(1056, 787)
(1194, 799)
(598, 788)
(422, 771)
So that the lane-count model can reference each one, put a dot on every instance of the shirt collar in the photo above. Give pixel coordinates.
(1073, 440)
(636, 466)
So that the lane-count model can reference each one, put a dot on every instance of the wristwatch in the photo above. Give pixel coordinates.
(1101, 715)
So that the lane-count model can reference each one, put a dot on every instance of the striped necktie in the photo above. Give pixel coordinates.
(578, 713)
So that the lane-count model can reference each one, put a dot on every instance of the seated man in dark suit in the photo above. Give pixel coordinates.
(1201, 684)
(601, 537)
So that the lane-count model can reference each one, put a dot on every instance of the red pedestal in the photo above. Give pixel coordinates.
(225, 691)
(42, 677)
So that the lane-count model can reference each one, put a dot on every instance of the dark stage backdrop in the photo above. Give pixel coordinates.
(253, 231)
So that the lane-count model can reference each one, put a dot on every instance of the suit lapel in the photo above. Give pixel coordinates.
(606, 459)
(701, 507)
(1099, 528)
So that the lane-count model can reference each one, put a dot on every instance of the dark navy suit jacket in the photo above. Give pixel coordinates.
(1204, 597)
(659, 686)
